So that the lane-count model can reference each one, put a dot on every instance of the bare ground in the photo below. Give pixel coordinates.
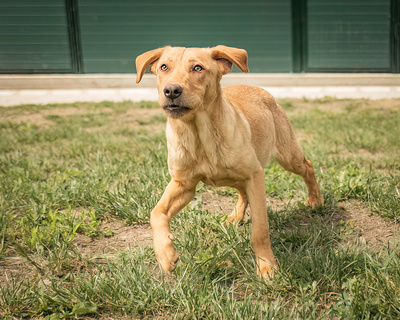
(360, 226)
(123, 238)
(368, 228)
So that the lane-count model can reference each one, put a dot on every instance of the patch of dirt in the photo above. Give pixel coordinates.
(366, 228)
(148, 119)
(224, 204)
(70, 111)
(217, 203)
(123, 237)
(361, 225)
(134, 116)
(35, 118)
(39, 118)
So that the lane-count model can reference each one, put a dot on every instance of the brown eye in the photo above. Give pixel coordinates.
(164, 67)
(198, 68)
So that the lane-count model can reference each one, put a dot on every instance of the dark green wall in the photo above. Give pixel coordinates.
(34, 36)
(348, 35)
(94, 36)
(115, 32)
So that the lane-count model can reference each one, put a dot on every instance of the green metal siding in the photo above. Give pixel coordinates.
(113, 33)
(34, 36)
(348, 35)
(88, 36)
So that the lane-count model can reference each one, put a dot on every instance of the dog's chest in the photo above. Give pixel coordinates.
(204, 153)
(211, 165)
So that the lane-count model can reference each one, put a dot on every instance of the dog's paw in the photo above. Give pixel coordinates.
(266, 271)
(166, 254)
(234, 218)
(169, 264)
(315, 202)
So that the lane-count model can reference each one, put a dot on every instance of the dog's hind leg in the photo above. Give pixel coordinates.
(176, 196)
(238, 212)
(292, 159)
(290, 156)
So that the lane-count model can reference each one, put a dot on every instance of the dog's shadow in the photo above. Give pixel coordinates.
(308, 243)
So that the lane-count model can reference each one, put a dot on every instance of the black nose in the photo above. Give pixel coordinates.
(173, 91)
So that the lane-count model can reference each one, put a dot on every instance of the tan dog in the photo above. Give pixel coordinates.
(221, 137)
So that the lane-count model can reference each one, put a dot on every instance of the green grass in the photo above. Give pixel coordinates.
(66, 169)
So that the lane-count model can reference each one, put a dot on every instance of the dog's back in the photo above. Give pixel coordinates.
(271, 129)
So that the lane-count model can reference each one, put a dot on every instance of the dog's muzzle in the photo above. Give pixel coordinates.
(176, 111)
(173, 106)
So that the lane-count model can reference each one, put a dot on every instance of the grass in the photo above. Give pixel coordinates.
(65, 170)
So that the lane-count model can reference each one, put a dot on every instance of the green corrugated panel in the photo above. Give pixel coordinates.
(114, 32)
(348, 35)
(34, 36)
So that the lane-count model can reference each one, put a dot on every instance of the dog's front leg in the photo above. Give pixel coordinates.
(176, 196)
(260, 234)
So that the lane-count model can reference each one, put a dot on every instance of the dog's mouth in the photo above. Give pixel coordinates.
(176, 111)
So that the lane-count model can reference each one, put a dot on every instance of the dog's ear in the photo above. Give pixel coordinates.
(226, 56)
(146, 59)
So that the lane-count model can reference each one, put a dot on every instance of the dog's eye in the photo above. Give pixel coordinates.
(164, 67)
(198, 68)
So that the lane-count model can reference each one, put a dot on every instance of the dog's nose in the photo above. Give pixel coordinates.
(173, 91)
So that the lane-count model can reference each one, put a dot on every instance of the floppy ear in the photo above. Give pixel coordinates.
(146, 59)
(226, 56)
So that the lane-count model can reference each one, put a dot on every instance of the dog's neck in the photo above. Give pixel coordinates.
(206, 139)
(203, 128)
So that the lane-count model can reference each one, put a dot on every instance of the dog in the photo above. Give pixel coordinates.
(223, 137)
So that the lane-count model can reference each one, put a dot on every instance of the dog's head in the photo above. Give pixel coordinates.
(188, 78)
